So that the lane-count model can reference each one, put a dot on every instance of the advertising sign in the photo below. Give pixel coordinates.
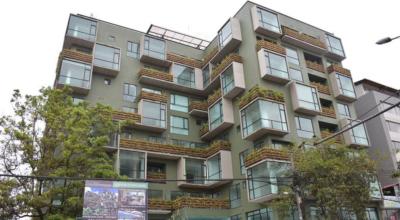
(115, 200)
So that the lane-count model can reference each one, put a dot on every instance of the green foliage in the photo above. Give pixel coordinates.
(50, 136)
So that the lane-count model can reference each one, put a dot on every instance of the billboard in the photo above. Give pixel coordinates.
(115, 200)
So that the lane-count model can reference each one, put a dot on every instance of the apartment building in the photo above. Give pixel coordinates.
(210, 114)
(384, 133)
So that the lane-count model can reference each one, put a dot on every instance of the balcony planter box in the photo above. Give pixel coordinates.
(266, 153)
(303, 40)
(315, 66)
(214, 97)
(336, 68)
(126, 116)
(328, 112)
(156, 74)
(326, 133)
(258, 92)
(198, 109)
(225, 63)
(263, 44)
(153, 97)
(321, 88)
(184, 60)
(200, 203)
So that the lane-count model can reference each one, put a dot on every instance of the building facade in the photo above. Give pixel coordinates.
(204, 116)
(384, 133)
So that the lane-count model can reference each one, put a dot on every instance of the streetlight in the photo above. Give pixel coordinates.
(386, 40)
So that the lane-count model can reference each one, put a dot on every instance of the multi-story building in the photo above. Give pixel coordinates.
(384, 133)
(210, 114)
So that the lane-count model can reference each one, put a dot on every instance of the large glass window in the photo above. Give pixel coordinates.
(195, 171)
(179, 125)
(179, 103)
(345, 85)
(82, 28)
(292, 56)
(335, 45)
(75, 74)
(395, 110)
(225, 35)
(268, 20)
(206, 76)
(227, 80)
(234, 195)
(216, 115)
(276, 65)
(359, 135)
(154, 47)
(304, 127)
(153, 114)
(343, 110)
(265, 178)
(242, 157)
(183, 75)
(263, 114)
(214, 167)
(295, 74)
(131, 164)
(107, 57)
(129, 92)
(260, 214)
(393, 126)
(307, 97)
(133, 50)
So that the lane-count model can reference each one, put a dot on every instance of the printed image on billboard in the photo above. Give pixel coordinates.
(131, 198)
(129, 213)
(100, 201)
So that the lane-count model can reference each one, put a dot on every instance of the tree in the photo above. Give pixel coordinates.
(49, 135)
(334, 177)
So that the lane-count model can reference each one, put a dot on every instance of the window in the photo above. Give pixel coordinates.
(396, 146)
(292, 56)
(107, 82)
(276, 65)
(183, 75)
(234, 195)
(227, 80)
(359, 135)
(179, 103)
(271, 171)
(75, 74)
(242, 158)
(307, 97)
(335, 45)
(263, 114)
(394, 111)
(280, 144)
(206, 76)
(344, 110)
(225, 34)
(295, 74)
(131, 164)
(82, 28)
(268, 20)
(155, 194)
(216, 115)
(188, 144)
(151, 91)
(304, 127)
(128, 109)
(195, 171)
(129, 92)
(155, 167)
(393, 126)
(214, 167)
(371, 214)
(345, 85)
(133, 50)
(260, 214)
(107, 57)
(154, 47)
(235, 217)
(179, 125)
(153, 114)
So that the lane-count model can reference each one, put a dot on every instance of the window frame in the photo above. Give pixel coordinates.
(235, 196)
(142, 160)
(345, 108)
(242, 159)
(314, 93)
(225, 85)
(301, 74)
(299, 127)
(176, 77)
(174, 129)
(343, 54)
(163, 117)
(289, 57)
(271, 70)
(130, 52)
(220, 119)
(84, 81)
(338, 77)
(259, 12)
(127, 94)
(147, 50)
(222, 42)
(116, 58)
(176, 107)
(91, 36)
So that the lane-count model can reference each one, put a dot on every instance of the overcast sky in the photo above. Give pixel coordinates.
(32, 32)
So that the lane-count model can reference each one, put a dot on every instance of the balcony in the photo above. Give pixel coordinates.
(315, 66)
(198, 109)
(335, 48)
(203, 203)
(220, 116)
(258, 92)
(263, 116)
(272, 62)
(106, 60)
(176, 58)
(321, 87)
(265, 22)
(76, 55)
(229, 38)
(153, 96)
(154, 51)
(303, 40)
(326, 133)
(158, 206)
(342, 83)
(156, 177)
(357, 136)
(271, 170)
(74, 74)
(266, 153)
(305, 99)
(81, 31)
(328, 112)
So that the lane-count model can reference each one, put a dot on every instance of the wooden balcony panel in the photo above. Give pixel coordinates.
(336, 68)
(315, 66)
(328, 112)
(321, 88)
(184, 60)
(202, 203)
(320, 45)
(263, 44)
(258, 92)
(266, 153)
(119, 115)
(152, 73)
(326, 133)
(214, 97)
(225, 63)
(153, 96)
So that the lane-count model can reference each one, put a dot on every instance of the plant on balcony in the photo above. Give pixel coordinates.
(214, 97)
(154, 73)
(270, 46)
(209, 55)
(204, 129)
(303, 37)
(160, 204)
(321, 87)
(225, 63)
(197, 202)
(256, 92)
(199, 105)
(266, 152)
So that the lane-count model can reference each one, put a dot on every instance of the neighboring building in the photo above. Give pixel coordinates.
(191, 122)
(384, 132)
